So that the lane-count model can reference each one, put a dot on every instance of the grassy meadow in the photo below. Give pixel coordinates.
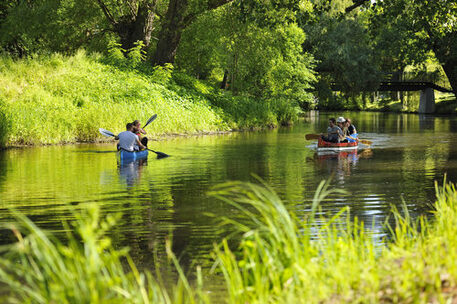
(59, 99)
(280, 258)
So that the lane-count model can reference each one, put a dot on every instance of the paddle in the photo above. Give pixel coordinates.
(111, 134)
(317, 136)
(159, 154)
(312, 136)
(106, 132)
(365, 142)
(153, 117)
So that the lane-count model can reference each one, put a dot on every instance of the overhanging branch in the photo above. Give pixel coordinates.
(356, 4)
(211, 5)
(106, 11)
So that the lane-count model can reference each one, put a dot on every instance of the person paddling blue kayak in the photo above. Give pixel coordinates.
(128, 140)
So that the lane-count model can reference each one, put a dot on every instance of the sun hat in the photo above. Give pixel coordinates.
(341, 119)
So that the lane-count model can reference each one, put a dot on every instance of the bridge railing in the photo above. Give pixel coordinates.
(433, 77)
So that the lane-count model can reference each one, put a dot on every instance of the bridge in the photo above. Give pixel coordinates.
(427, 88)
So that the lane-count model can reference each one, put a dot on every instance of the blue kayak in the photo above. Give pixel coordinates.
(131, 156)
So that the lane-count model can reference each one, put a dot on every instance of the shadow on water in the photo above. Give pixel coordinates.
(95, 151)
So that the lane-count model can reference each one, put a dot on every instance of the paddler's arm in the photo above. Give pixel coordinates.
(140, 144)
(341, 135)
(142, 131)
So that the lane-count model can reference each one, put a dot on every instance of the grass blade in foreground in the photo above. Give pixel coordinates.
(278, 262)
(40, 269)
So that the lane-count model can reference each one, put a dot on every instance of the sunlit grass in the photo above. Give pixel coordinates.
(59, 99)
(278, 262)
(280, 258)
(86, 269)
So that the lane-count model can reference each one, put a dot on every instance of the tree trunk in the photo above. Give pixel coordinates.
(170, 34)
(136, 28)
(176, 20)
(224, 80)
(450, 68)
(136, 25)
(395, 77)
(446, 51)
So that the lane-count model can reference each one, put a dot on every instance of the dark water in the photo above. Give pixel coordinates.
(168, 197)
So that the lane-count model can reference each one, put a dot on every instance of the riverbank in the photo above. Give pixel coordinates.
(276, 261)
(57, 99)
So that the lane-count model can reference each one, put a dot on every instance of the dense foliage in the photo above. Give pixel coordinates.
(290, 53)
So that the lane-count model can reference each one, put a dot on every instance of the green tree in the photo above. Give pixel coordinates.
(131, 20)
(429, 25)
(180, 14)
(259, 58)
(338, 39)
(55, 25)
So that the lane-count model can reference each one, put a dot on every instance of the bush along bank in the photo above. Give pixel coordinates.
(280, 258)
(57, 99)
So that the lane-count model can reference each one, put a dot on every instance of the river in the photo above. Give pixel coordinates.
(168, 197)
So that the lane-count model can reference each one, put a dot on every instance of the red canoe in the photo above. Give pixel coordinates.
(328, 146)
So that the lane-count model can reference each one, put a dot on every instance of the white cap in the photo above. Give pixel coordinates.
(341, 119)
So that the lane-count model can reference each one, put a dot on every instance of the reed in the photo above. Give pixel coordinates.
(39, 268)
(278, 261)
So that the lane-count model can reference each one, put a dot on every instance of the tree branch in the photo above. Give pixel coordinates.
(356, 4)
(106, 12)
(212, 4)
(133, 8)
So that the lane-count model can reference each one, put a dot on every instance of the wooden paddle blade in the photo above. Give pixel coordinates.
(153, 117)
(312, 136)
(106, 132)
(365, 142)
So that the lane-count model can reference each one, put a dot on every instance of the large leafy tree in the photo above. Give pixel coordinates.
(65, 25)
(338, 39)
(179, 15)
(428, 25)
(131, 20)
(258, 48)
(50, 25)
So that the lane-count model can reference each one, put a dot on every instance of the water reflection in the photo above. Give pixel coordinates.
(166, 196)
(130, 171)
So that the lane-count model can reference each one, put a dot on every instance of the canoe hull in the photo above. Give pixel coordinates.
(327, 146)
(125, 156)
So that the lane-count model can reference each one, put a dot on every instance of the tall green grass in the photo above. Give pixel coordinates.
(280, 258)
(87, 269)
(4, 124)
(241, 111)
(58, 99)
(278, 261)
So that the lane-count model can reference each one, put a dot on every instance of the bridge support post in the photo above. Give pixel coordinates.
(427, 101)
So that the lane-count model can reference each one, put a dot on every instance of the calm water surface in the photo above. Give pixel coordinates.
(168, 196)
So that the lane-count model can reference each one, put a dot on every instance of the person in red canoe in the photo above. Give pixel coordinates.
(140, 132)
(350, 131)
(334, 132)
